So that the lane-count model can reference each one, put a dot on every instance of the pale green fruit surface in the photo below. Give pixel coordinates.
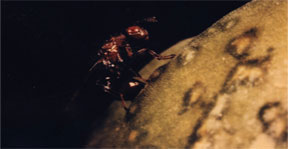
(227, 88)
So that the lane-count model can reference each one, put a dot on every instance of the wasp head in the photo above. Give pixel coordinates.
(137, 32)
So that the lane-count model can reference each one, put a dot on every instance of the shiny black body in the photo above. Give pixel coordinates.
(115, 74)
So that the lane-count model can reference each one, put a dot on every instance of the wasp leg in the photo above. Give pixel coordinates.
(92, 68)
(140, 79)
(116, 94)
(156, 55)
(123, 102)
(160, 57)
(142, 51)
(129, 50)
(137, 77)
(85, 80)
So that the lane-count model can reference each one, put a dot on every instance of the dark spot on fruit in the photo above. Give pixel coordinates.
(195, 47)
(186, 101)
(253, 62)
(157, 73)
(284, 136)
(245, 73)
(239, 46)
(256, 62)
(219, 118)
(187, 96)
(192, 96)
(194, 136)
(207, 107)
(252, 32)
(270, 49)
(184, 110)
(229, 76)
(262, 111)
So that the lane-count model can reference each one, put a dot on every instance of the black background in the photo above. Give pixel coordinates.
(47, 48)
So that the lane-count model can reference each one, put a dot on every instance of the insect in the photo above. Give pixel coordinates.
(115, 59)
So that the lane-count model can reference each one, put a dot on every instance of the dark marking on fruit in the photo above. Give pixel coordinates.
(219, 118)
(194, 137)
(270, 49)
(184, 110)
(243, 76)
(229, 76)
(187, 96)
(227, 25)
(256, 62)
(284, 136)
(186, 100)
(157, 73)
(208, 107)
(195, 47)
(192, 96)
(252, 32)
(262, 111)
(239, 46)
(245, 73)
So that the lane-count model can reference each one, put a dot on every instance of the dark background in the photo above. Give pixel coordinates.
(47, 48)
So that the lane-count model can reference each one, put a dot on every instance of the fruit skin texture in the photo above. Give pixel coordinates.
(227, 88)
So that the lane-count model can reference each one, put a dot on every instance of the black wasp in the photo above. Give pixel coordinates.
(115, 60)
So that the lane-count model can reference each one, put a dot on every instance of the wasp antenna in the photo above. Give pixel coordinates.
(148, 19)
(95, 64)
(151, 19)
(85, 80)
